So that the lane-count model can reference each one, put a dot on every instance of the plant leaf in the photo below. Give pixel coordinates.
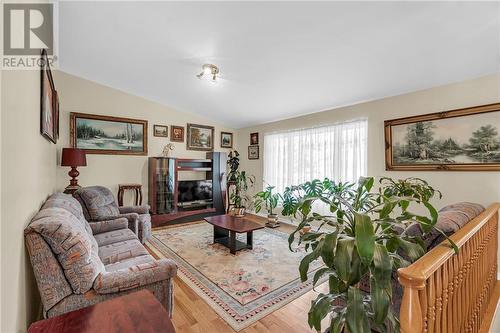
(357, 321)
(382, 266)
(319, 309)
(413, 250)
(380, 302)
(327, 253)
(304, 263)
(364, 237)
(343, 257)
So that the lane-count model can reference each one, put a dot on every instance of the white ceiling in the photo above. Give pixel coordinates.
(277, 59)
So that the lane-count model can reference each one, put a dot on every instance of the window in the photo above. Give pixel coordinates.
(335, 151)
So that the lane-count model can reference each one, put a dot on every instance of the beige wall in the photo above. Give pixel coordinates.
(80, 95)
(482, 187)
(28, 176)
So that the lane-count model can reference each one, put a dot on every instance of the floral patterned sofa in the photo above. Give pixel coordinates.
(77, 264)
(98, 204)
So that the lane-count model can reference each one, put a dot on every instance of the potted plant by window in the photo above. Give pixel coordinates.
(239, 197)
(361, 241)
(270, 200)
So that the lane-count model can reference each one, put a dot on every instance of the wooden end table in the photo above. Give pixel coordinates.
(136, 312)
(137, 188)
(227, 226)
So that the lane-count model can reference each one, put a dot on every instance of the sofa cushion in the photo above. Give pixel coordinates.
(119, 251)
(75, 250)
(114, 236)
(469, 208)
(98, 202)
(67, 202)
(124, 264)
(451, 218)
(138, 275)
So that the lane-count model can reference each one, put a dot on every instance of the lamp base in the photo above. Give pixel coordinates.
(73, 182)
(70, 189)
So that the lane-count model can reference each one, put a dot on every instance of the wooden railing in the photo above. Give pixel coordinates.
(446, 292)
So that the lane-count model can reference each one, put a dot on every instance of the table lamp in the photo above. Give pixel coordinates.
(73, 157)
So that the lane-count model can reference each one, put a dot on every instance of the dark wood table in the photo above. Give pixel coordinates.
(137, 188)
(227, 226)
(138, 312)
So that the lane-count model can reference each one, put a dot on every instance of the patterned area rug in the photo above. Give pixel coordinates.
(241, 288)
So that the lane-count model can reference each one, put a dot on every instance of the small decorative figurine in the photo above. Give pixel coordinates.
(167, 149)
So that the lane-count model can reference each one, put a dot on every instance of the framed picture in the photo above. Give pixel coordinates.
(49, 104)
(253, 152)
(98, 134)
(200, 137)
(177, 133)
(226, 140)
(254, 138)
(160, 130)
(462, 140)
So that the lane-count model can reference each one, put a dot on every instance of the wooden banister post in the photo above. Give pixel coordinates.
(410, 314)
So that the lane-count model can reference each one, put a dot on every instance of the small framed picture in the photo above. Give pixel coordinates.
(160, 130)
(226, 140)
(254, 138)
(253, 152)
(177, 133)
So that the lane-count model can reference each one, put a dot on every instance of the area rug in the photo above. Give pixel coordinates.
(241, 288)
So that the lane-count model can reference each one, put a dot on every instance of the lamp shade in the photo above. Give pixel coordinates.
(73, 157)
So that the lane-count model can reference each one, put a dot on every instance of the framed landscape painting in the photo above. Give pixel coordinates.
(200, 137)
(98, 134)
(464, 140)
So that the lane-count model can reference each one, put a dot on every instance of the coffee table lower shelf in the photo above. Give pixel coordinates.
(228, 239)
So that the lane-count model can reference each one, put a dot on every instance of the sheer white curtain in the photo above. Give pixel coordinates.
(337, 151)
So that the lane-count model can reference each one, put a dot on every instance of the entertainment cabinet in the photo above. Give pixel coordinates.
(164, 188)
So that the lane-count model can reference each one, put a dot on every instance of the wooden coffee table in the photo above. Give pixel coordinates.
(227, 226)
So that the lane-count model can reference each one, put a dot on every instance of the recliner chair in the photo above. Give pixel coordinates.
(99, 204)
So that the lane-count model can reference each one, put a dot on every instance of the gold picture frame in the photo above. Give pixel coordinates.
(96, 134)
(464, 139)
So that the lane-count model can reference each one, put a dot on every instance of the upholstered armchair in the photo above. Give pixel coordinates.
(99, 205)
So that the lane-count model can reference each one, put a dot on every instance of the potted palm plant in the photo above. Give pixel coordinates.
(241, 181)
(270, 200)
(239, 197)
(361, 238)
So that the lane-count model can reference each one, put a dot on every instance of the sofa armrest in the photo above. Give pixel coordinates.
(108, 225)
(132, 221)
(134, 277)
(144, 209)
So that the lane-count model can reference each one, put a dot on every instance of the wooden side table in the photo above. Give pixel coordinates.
(137, 188)
(137, 312)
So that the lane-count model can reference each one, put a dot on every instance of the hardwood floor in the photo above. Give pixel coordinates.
(193, 315)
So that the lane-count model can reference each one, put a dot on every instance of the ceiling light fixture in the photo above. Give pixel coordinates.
(209, 69)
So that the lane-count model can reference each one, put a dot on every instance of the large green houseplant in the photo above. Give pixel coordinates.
(360, 238)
